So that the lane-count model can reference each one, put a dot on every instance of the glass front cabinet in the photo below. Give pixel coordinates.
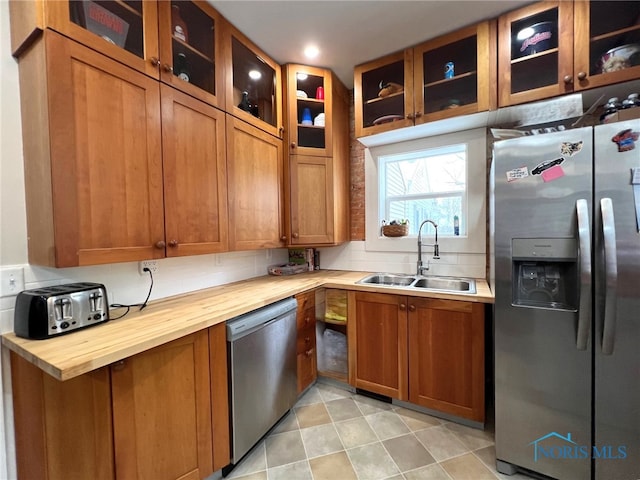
(191, 49)
(455, 74)
(309, 113)
(445, 77)
(253, 83)
(607, 42)
(535, 52)
(556, 47)
(177, 42)
(383, 94)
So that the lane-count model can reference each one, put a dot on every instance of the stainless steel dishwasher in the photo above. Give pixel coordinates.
(262, 372)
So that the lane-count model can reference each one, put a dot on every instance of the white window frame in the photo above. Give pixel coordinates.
(475, 216)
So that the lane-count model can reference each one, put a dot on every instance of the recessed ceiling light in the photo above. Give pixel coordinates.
(301, 76)
(311, 51)
(254, 74)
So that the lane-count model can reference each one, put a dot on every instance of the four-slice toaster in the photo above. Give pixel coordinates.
(51, 311)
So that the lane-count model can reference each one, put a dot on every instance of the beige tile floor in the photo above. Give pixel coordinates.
(333, 434)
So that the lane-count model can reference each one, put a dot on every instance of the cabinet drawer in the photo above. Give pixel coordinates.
(306, 300)
(306, 317)
(306, 338)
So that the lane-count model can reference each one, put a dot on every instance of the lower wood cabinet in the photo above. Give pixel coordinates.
(161, 414)
(378, 322)
(307, 358)
(429, 352)
(446, 356)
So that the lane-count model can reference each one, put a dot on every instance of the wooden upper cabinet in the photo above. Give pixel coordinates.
(308, 108)
(311, 202)
(162, 411)
(190, 34)
(317, 197)
(93, 164)
(138, 34)
(410, 87)
(255, 187)
(606, 33)
(535, 52)
(446, 356)
(469, 88)
(383, 94)
(126, 31)
(252, 83)
(195, 175)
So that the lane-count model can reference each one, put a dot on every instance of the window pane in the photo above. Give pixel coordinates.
(428, 184)
(441, 210)
(426, 174)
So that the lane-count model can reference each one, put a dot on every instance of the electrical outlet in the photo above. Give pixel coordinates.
(152, 265)
(11, 281)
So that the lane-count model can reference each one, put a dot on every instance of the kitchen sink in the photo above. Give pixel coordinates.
(444, 283)
(418, 282)
(389, 279)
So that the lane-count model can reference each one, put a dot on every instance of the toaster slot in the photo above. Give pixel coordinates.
(62, 309)
(95, 301)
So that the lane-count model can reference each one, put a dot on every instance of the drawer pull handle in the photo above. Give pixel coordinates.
(412, 308)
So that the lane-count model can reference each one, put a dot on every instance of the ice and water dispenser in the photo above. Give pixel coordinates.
(545, 273)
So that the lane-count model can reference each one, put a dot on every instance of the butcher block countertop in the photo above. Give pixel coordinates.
(167, 319)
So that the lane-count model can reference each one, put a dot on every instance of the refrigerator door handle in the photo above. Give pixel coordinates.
(611, 275)
(584, 239)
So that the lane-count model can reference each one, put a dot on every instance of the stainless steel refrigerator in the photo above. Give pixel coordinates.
(566, 261)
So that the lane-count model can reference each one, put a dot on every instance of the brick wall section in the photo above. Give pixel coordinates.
(357, 181)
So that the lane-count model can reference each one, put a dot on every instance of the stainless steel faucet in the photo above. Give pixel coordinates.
(436, 249)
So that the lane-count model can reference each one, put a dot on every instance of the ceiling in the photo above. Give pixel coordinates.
(351, 32)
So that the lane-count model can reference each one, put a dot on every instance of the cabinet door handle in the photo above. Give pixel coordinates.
(155, 61)
(582, 75)
(418, 114)
(307, 320)
(412, 308)
(160, 244)
(283, 238)
(309, 352)
(410, 116)
(167, 68)
(173, 243)
(295, 235)
(307, 340)
(293, 145)
(281, 130)
(403, 306)
(568, 79)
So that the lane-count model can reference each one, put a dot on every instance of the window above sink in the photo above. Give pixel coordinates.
(434, 178)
